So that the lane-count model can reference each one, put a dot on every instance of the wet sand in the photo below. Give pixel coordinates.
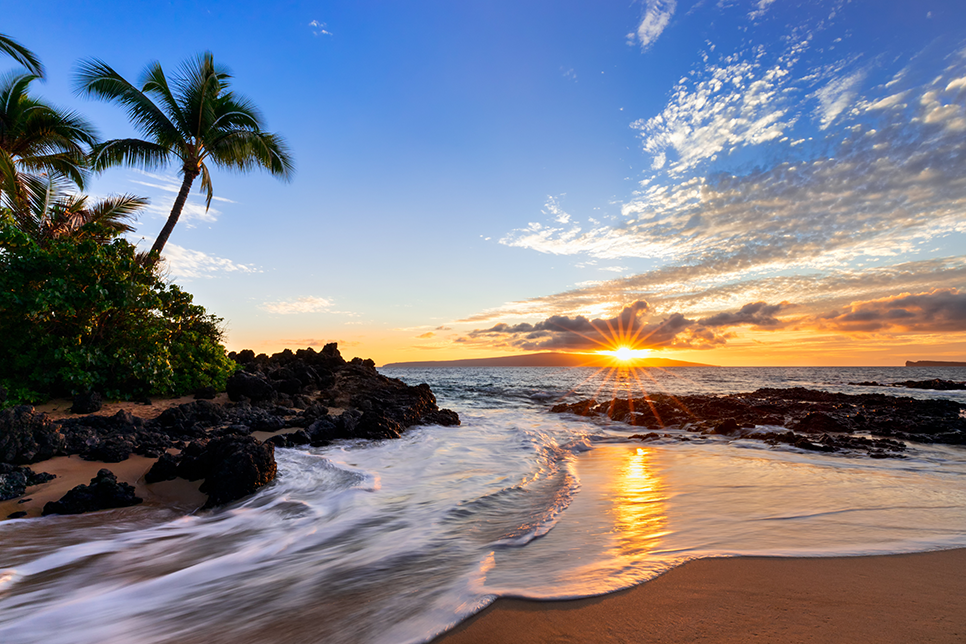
(883, 599)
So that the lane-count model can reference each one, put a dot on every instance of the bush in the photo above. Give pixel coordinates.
(84, 315)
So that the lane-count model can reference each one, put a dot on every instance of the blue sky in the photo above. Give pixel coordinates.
(465, 165)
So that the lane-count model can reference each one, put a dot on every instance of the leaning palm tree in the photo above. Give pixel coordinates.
(195, 119)
(22, 55)
(37, 139)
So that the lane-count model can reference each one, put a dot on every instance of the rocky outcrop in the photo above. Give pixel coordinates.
(103, 493)
(27, 436)
(14, 480)
(232, 467)
(804, 418)
(935, 384)
(288, 392)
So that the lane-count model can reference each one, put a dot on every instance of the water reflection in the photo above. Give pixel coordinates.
(639, 508)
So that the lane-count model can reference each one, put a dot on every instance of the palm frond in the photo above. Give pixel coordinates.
(199, 85)
(22, 55)
(115, 211)
(153, 82)
(206, 186)
(244, 150)
(133, 152)
(97, 78)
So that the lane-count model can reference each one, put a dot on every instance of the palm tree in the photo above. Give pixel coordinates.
(22, 55)
(37, 139)
(51, 212)
(196, 119)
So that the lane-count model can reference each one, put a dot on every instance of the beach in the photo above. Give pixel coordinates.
(684, 535)
(891, 598)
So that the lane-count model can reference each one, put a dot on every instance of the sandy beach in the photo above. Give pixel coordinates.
(884, 599)
(59, 408)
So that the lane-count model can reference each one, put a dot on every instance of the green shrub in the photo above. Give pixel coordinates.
(83, 315)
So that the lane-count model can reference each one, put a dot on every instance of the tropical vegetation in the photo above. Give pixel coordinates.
(78, 314)
(80, 308)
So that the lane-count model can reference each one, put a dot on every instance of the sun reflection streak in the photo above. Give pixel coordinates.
(640, 506)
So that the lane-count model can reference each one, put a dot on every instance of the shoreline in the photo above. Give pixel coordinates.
(910, 597)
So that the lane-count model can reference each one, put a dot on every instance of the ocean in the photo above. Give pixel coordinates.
(396, 541)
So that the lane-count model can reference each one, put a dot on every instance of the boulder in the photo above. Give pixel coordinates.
(237, 467)
(206, 393)
(244, 385)
(27, 436)
(104, 492)
(86, 403)
(164, 469)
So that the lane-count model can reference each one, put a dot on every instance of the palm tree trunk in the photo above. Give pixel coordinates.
(189, 177)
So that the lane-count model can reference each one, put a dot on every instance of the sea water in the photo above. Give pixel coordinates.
(395, 541)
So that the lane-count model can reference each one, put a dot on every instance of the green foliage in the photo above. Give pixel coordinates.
(77, 314)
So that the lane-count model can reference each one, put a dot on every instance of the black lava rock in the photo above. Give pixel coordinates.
(244, 385)
(86, 403)
(164, 469)
(237, 467)
(104, 492)
(27, 436)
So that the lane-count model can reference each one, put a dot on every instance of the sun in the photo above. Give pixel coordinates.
(623, 353)
(626, 354)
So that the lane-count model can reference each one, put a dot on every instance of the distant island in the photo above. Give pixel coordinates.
(934, 363)
(548, 360)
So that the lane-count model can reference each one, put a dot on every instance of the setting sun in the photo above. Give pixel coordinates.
(626, 353)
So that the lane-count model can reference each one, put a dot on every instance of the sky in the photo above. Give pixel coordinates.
(763, 182)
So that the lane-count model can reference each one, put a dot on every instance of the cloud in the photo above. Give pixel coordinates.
(631, 327)
(702, 294)
(837, 95)
(936, 311)
(885, 189)
(760, 9)
(428, 334)
(738, 102)
(319, 28)
(309, 304)
(185, 263)
(757, 314)
(194, 208)
(657, 15)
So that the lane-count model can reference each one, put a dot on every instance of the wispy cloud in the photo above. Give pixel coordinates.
(308, 304)
(657, 15)
(894, 180)
(319, 28)
(760, 9)
(738, 102)
(185, 263)
(194, 210)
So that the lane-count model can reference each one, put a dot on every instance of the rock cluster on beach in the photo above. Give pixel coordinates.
(103, 493)
(935, 384)
(289, 394)
(804, 418)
